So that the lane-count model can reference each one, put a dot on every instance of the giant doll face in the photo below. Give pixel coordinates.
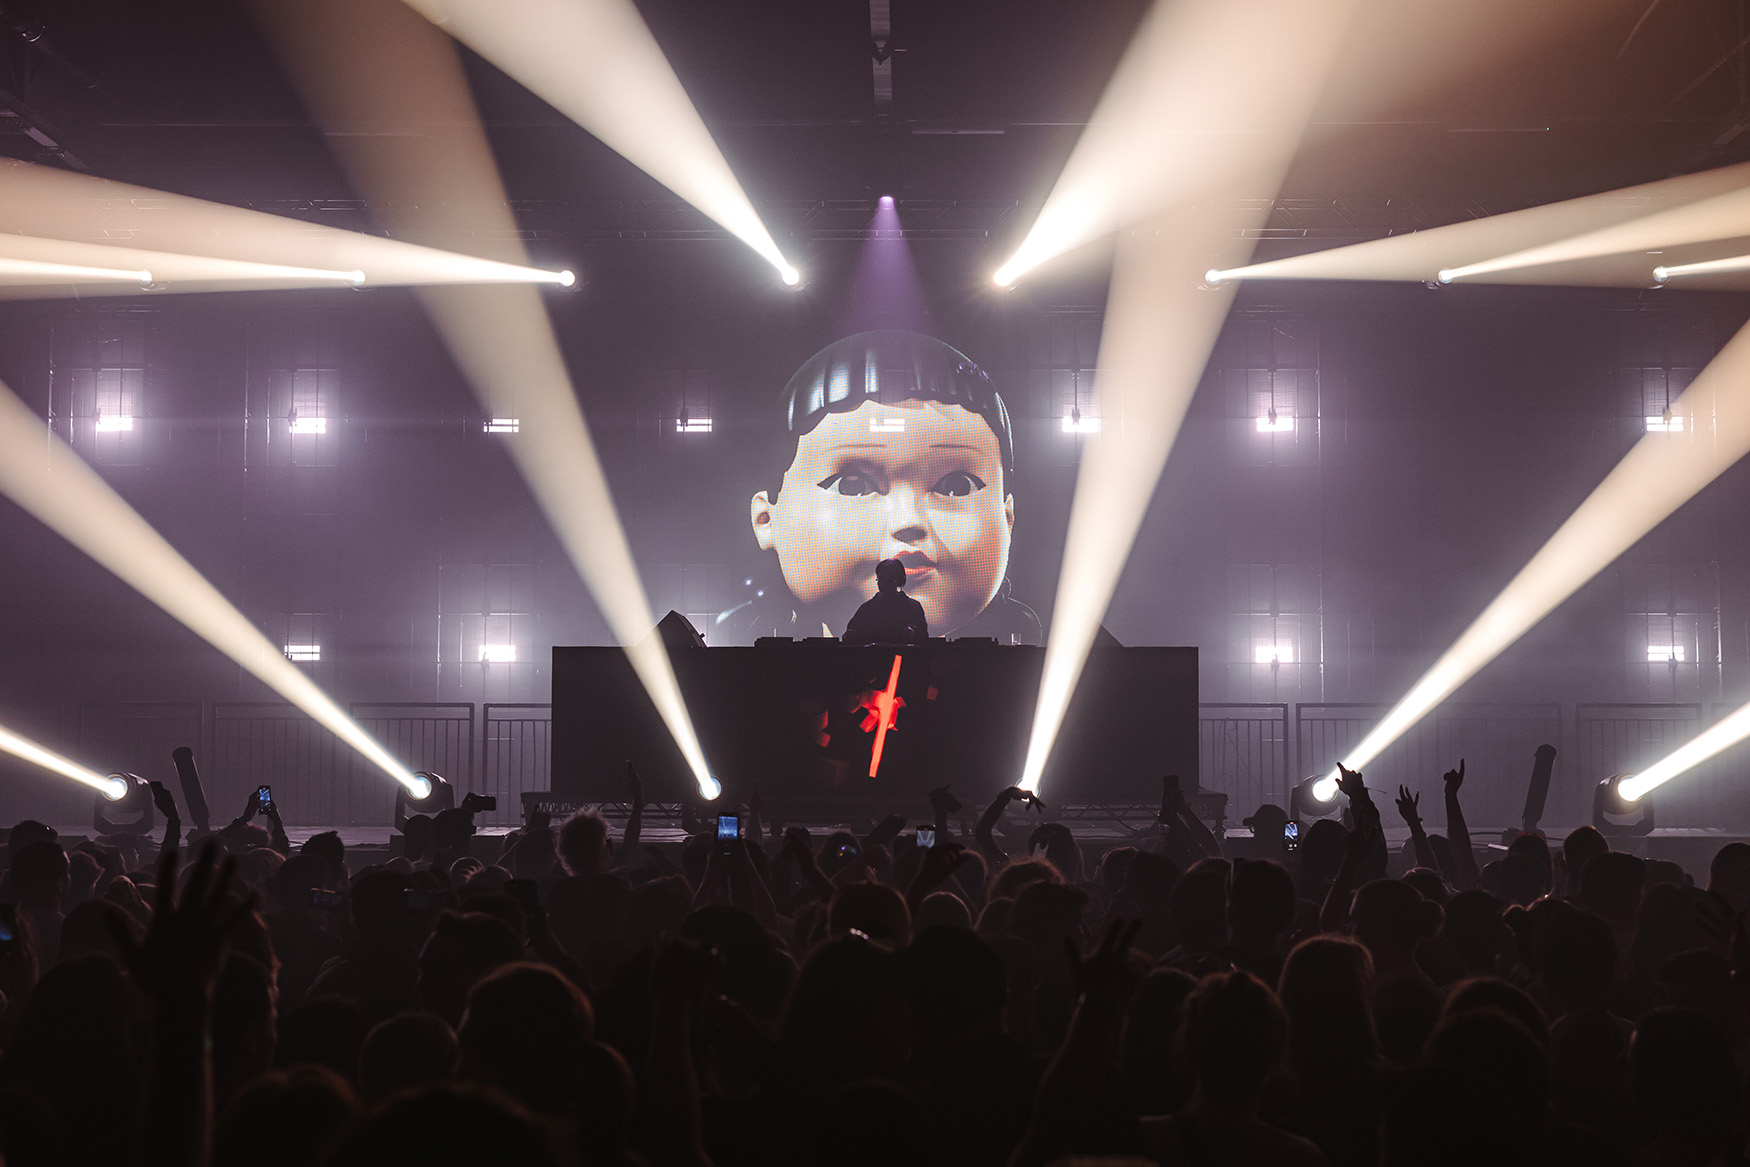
(920, 482)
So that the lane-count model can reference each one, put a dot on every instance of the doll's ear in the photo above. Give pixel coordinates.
(760, 512)
(1009, 510)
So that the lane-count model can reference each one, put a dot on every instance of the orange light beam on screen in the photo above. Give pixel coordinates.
(596, 62)
(388, 88)
(886, 714)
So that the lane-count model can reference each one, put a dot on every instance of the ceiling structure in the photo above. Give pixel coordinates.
(962, 111)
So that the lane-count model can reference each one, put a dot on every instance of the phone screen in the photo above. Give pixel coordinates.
(1290, 835)
(728, 826)
(926, 836)
(263, 797)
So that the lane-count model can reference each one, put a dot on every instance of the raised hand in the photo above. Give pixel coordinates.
(1106, 974)
(797, 847)
(186, 941)
(1350, 783)
(1358, 843)
(942, 801)
(940, 861)
(1454, 779)
(1720, 922)
(162, 799)
(251, 804)
(1409, 806)
(634, 784)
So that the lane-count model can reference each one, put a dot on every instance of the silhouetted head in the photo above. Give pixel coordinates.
(1474, 927)
(1391, 918)
(1495, 993)
(1199, 906)
(90, 928)
(846, 1016)
(525, 1031)
(1580, 845)
(1729, 874)
(1576, 956)
(1234, 1037)
(890, 575)
(875, 910)
(1610, 885)
(29, 831)
(409, 1049)
(873, 1124)
(1261, 899)
(448, 1124)
(1685, 1083)
(942, 909)
(1496, 1075)
(463, 948)
(1326, 985)
(286, 1118)
(954, 985)
(328, 1031)
(40, 875)
(584, 845)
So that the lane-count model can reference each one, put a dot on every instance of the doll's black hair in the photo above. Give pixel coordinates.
(890, 366)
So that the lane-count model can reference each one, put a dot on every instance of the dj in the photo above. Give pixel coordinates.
(891, 617)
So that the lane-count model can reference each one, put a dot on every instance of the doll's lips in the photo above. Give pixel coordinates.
(916, 563)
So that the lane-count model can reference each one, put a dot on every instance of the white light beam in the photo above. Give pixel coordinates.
(1660, 473)
(20, 746)
(44, 476)
(596, 62)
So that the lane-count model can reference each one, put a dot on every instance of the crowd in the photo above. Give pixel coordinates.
(773, 998)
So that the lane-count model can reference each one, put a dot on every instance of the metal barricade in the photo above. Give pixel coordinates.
(516, 755)
(1243, 751)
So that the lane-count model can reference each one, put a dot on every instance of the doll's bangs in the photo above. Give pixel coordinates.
(891, 366)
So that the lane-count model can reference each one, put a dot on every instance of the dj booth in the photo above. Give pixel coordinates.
(824, 727)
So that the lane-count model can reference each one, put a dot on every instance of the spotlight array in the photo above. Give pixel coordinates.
(44, 476)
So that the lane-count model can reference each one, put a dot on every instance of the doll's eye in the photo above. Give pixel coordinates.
(850, 482)
(957, 484)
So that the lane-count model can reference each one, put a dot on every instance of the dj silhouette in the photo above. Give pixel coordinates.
(891, 617)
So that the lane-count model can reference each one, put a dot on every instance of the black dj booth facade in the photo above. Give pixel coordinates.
(805, 722)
